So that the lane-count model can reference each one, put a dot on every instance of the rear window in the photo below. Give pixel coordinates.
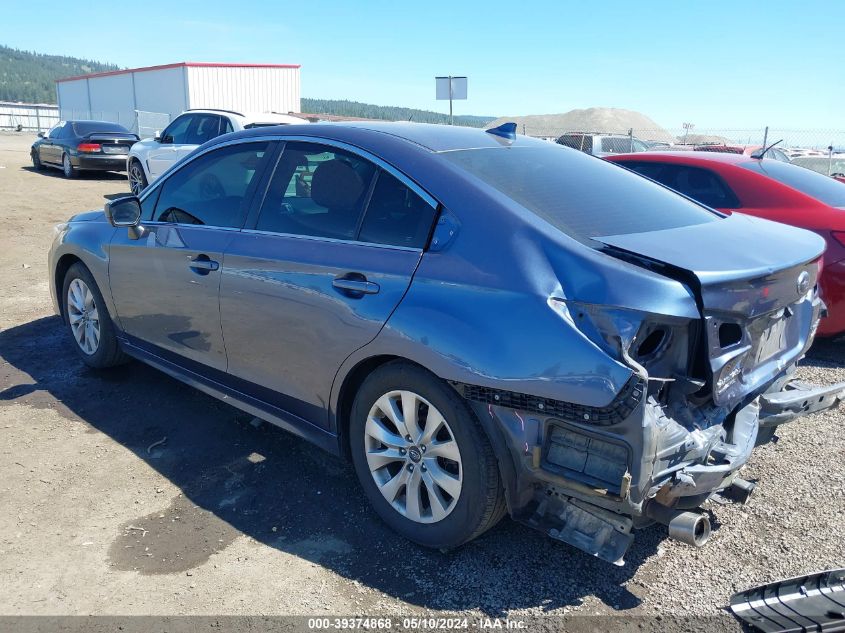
(811, 183)
(582, 196)
(580, 142)
(615, 145)
(83, 128)
(702, 185)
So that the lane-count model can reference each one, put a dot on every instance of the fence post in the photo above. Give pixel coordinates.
(765, 137)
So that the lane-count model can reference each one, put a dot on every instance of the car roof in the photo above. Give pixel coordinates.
(433, 137)
(685, 157)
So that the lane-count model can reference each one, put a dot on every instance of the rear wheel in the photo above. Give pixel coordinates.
(67, 169)
(137, 177)
(88, 319)
(422, 458)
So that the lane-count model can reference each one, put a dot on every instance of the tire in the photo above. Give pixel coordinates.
(478, 500)
(137, 177)
(67, 169)
(105, 352)
(36, 161)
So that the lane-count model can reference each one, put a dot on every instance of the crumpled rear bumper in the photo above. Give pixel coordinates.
(798, 398)
(590, 486)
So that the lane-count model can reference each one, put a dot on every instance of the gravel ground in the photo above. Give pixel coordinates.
(231, 516)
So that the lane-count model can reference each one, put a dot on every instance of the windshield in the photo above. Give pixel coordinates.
(581, 195)
(807, 181)
(84, 128)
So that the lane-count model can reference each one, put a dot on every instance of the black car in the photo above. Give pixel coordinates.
(75, 145)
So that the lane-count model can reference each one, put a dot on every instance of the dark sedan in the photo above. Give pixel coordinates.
(482, 322)
(83, 145)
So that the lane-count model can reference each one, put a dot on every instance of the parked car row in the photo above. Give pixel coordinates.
(483, 323)
(83, 145)
(75, 146)
(150, 158)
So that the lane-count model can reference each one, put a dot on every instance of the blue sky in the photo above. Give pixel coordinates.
(717, 64)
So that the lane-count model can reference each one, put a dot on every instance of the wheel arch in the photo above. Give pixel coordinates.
(62, 266)
(355, 377)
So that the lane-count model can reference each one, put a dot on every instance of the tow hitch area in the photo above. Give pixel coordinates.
(806, 603)
(797, 398)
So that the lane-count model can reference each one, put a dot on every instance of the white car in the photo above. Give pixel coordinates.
(150, 158)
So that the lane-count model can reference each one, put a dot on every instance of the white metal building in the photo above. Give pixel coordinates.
(171, 89)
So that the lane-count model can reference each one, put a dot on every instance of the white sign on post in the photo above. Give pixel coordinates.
(451, 88)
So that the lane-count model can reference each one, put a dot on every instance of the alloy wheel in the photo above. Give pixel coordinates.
(136, 178)
(413, 456)
(83, 316)
(66, 166)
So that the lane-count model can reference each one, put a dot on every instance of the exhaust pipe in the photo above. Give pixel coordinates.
(691, 528)
(739, 491)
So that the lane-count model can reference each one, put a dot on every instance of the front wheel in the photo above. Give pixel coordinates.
(422, 458)
(88, 319)
(36, 161)
(137, 177)
(67, 169)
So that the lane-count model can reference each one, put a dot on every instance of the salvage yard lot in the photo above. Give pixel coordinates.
(130, 493)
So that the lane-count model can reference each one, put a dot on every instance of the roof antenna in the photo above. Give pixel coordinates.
(505, 130)
(760, 153)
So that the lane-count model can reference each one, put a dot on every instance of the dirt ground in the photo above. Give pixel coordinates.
(128, 493)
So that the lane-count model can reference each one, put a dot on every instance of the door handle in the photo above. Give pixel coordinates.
(202, 264)
(355, 284)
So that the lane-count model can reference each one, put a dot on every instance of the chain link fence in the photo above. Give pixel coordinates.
(144, 124)
(28, 117)
(148, 124)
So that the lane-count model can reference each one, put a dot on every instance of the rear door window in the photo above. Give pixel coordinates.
(204, 128)
(617, 145)
(581, 142)
(214, 189)
(396, 215)
(316, 190)
(702, 185)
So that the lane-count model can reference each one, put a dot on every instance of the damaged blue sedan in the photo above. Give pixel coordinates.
(483, 323)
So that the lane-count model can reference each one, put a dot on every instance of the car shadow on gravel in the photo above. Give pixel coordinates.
(238, 476)
(88, 174)
(826, 352)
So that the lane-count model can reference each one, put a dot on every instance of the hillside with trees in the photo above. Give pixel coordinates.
(388, 113)
(30, 77)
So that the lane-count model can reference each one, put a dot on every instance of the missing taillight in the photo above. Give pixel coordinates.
(729, 334)
(651, 343)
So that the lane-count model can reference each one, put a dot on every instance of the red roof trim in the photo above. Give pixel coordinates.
(176, 65)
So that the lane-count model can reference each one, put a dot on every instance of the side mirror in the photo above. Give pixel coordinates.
(42, 135)
(125, 211)
(157, 136)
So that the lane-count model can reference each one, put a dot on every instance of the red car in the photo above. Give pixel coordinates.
(768, 189)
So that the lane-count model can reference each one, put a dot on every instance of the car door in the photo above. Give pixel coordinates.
(165, 285)
(49, 151)
(317, 271)
(170, 146)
